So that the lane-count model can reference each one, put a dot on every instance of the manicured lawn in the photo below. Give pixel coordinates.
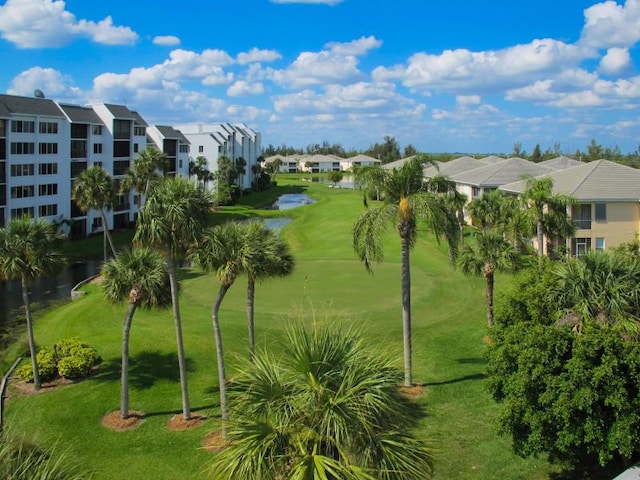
(329, 285)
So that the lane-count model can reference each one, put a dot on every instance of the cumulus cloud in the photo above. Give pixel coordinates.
(257, 55)
(609, 24)
(468, 99)
(357, 47)
(52, 82)
(166, 40)
(242, 88)
(47, 24)
(616, 60)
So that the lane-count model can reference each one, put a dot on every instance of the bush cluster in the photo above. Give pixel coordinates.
(70, 358)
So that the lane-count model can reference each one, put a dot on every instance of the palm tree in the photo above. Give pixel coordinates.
(173, 218)
(489, 254)
(485, 211)
(30, 249)
(404, 200)
(223, 250)
(329, 408)
(138, 276)
(270, 257)
(94, 189)
(144, 172)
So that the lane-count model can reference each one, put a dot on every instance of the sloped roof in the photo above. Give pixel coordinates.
(601, 181)
(500, 173)
(170, 132)
(397, 163)
(363, 158)
(493, 159)
(561, 163)
(121, 112)
(454, 167)
(14, 105)
(78, 114)
(138, 119)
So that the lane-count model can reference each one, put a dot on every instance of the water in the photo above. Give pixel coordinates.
(276, 224)
(292, 200)
(44, 292)
(346, 182)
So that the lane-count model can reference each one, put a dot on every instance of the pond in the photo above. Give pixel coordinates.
(346, 182)
(292, 200)
(276, 224)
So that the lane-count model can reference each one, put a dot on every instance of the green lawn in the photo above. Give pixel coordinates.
(329, 285)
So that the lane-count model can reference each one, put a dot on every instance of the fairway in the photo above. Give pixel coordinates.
(329, 285)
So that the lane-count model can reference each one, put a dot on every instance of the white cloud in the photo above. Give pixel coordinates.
(608, 24)
(242, 88)
(46, 24)
(615, 61)
(325, 2)
(356, 47)
(53, 83)
(257, 55)
(463, 70)
(166, 40)
(468, 99)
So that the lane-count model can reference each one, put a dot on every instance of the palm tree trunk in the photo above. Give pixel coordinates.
(32, 341)
(489, 276)
(171, 267)
(107, 235)
(222, 377)
(406, 311)
(251, 289)
(124, 374)
(540, 235)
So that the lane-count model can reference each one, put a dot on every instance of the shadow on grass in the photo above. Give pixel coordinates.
(145, 369)
(588, 473)
(465, 378)
(472, 361)
(194, 409)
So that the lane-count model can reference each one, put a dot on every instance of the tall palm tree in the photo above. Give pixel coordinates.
(173, 218)
(327, 408)
(489, 254)
(30, 249)
(223, 250)
(485, 211)
(144, 172)
(140, 277)
(270, 257)
(405, 199)
(546, 206)
(94, 189)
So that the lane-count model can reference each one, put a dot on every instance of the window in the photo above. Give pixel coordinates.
(78, 149)
(48, 148)
(22, 191)
(122, 129)
(219, 149)
(22, 212)
(97, 148)
(77, 168)
(581, 216)
(48, 127)
(135, 148)
(48, 210)
(97, 164)
(475, 192)
(184, 148)
(200, 148)
(48, 189)
(121, 149)
(580, 246)
(180, 164)
(22, 148)
(79, 130)
(22, 170)
(120, 167)
(3, 133)
(97, 130)
(139, 131)
(601, 212)
(599, 244)
(22, 126)
(48, 168)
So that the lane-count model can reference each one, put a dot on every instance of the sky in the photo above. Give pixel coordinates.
(442, 75)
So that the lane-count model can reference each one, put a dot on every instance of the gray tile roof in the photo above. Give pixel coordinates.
(360, 158)
(493, 159)
(12, 104)
(396, 163)
(138, 119)
(121, 112)
(169, 132)
(454, 167)
(500, 173)
(78, 114)
(601, 181)
(561, 163)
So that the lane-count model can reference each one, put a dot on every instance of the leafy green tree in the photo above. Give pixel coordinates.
(518, 151)
(140, 278)
(410, 151)
(198, 169)
(594, 151)
(225, 177)
(329, 408)
(490, 253)
(536, 156)
(240, 165)
(385, 152)
(485, 211)
(172, 219)
(335, 177)
(405, 199)
(30, 249)
(269, 257)
(144, 172)
(94, 189)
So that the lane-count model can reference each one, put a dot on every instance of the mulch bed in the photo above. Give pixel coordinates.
(178, 422)
(214, 442)
(22, 388)
(113, 421)
(415, 391)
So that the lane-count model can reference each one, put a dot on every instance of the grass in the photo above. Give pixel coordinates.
(329, 285)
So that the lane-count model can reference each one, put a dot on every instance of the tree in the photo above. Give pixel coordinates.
(30, 249)
(225, 177)
(330, 408)
(489, 254)
(198, 168)
(410, 151)
(139, 277)
(335, 177)
(385, 152)
(173, 218)
(144, 172)
(485, 211)
(222, 250)
(536, 156)
(241, 169)
(269, 257)
(405, 199)
(94, 189)
(518, 151)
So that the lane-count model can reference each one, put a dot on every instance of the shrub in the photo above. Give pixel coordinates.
(46, 367)
(63, 348)
(75, 358)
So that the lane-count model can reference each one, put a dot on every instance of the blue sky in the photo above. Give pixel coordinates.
(465, 76)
